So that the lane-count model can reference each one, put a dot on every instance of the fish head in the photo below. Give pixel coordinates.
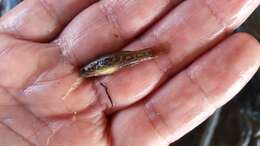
(97, 68)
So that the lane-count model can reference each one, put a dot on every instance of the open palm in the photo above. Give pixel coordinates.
(43, 43)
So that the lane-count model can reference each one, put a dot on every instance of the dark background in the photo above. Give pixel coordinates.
(238, 122)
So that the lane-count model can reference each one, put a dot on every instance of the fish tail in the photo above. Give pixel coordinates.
(159, 49)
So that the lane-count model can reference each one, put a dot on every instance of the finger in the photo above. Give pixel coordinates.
(109, 25)
(189, 30)
(190, 97)
(41, 20)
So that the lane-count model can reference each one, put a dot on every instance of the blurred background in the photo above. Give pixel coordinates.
(238, 122)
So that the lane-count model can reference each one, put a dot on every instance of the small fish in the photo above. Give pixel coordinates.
(112, 63)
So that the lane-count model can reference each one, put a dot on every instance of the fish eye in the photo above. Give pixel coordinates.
(82, 71)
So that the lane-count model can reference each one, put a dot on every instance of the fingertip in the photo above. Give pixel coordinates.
(249, 44)
(246, 37)
(225, 70)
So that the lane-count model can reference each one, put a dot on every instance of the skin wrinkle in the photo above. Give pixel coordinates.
(150, 112)
(26, 140)
(105, 87)
(157, 39)
(50, 11)
(6, 50)
(108, 95)
(24, 107)
(74, 114)
(97, 95)
(96, 87)
(38, 69)
(111, 18)
(65, 47)
(69, 111)
(67, 53)
(220, 21)
(164, 74)
(110, 141)
(93, 103)
(76, 120)
(54, 132)
(12, 28)
(188, 74)
(9, 93)
(33, 77)
(56, 78)
(26, 110)
(52, 135)
(97, 120)
(57, 132)
(14, 31)
(37, 82)
(98, 102)
(43, 127)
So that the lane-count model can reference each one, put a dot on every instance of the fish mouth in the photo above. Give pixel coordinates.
(82, 71)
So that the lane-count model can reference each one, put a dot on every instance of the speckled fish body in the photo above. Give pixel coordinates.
(111, 63)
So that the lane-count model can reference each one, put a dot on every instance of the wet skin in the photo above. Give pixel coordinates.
(45, 43)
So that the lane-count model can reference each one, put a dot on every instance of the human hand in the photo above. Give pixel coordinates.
(44, 42)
